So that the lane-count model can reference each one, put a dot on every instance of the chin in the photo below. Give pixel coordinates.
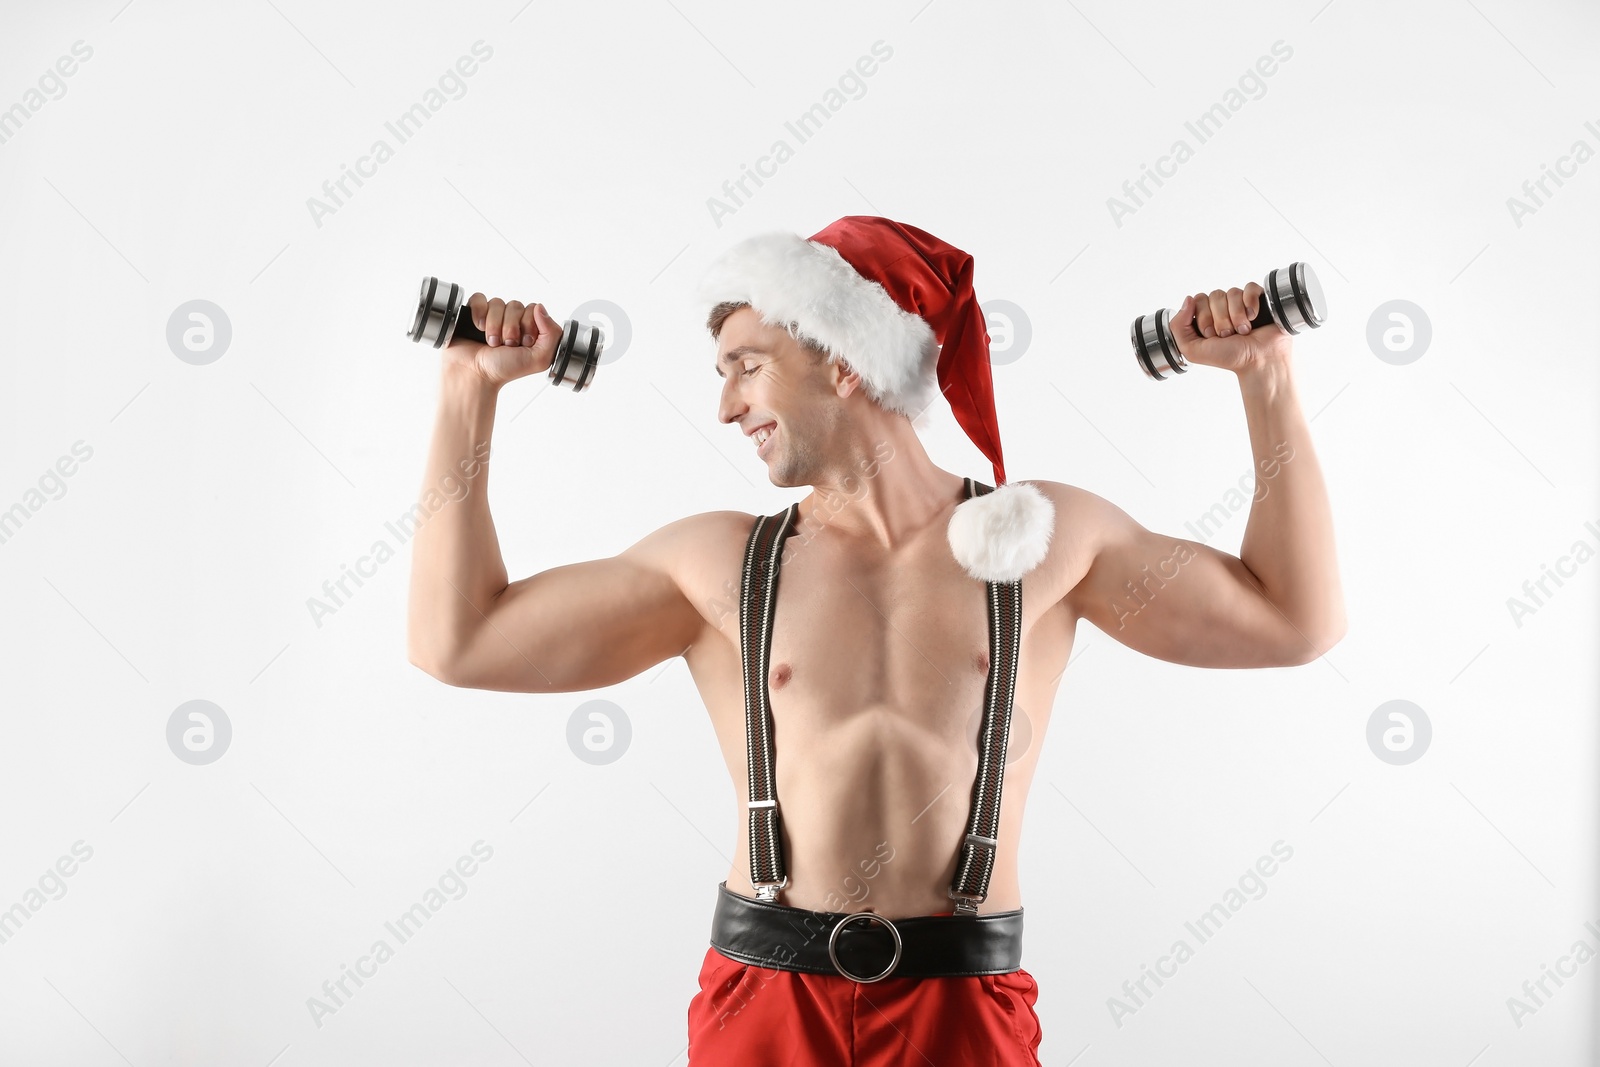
(783, 478)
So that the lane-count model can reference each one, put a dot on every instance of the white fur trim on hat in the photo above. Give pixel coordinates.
(788, 279)
(1002, 535)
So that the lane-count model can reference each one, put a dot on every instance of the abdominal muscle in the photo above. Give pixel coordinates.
(873, 813)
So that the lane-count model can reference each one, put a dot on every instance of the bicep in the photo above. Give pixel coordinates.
(582, 625)
(1178, 600)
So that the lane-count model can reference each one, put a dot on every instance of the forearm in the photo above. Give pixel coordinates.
(456, 566)
(1288, 542)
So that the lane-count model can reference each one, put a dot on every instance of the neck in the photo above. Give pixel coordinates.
(885, 491)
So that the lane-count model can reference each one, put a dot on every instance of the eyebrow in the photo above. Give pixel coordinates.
(737, 354)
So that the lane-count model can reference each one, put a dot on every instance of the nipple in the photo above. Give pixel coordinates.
(780, 676)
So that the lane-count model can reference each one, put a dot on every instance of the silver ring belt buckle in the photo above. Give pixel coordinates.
(833, 939)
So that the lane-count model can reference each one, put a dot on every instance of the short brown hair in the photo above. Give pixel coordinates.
(720, 313)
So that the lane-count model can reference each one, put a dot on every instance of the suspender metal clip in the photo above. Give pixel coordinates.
(966, 903)
(768, 891)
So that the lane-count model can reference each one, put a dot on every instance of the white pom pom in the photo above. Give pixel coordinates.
(1002, 535)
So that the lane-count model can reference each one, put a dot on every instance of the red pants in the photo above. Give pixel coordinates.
(754, 1016)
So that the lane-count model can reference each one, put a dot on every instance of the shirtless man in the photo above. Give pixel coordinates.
(879, 647)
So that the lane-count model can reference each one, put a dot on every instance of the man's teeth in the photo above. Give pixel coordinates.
(761, 436)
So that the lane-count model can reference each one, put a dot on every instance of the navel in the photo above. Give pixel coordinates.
(780, 676)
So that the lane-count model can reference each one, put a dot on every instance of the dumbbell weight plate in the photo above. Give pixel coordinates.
(441, 315)
(1298, 296)
(577, 356)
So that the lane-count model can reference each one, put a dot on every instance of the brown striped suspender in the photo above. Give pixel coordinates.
(758, 598)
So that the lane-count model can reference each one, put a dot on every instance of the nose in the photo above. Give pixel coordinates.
(729, 405)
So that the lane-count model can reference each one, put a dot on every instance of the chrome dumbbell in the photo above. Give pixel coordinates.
(1291, 297)
(443, 315)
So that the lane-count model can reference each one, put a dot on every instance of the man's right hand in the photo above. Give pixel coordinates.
(522, 340)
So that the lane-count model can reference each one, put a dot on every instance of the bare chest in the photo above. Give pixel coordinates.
(876, 678)
(898, 648)
(888, 650)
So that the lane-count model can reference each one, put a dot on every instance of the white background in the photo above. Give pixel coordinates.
(576, 164)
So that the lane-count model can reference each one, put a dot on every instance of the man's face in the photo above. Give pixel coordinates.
(773, 382)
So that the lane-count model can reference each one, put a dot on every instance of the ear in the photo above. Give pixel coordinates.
(849, 379)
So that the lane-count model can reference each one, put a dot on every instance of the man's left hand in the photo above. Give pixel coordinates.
(1225, 338)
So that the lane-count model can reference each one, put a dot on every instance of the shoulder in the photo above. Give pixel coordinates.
(707, 534)
(1084, 523)
(1079, 514)
(1059, 492)
(703, 554)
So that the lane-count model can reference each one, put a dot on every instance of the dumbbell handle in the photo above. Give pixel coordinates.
(466, 329)
(577, 351)
(1263, 317)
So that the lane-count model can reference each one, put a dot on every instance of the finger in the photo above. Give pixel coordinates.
(1202, 315)
(549, 333)
(1252, 298)
(530, 324)
(511, 324)
(1241, 321)
(1219, 313)
(1182, 323)
(491, 321)
(479, 304)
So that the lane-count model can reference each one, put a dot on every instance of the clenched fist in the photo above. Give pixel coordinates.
(1221, 335)
(521, 340)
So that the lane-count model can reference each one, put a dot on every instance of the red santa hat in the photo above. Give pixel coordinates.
(897, 304)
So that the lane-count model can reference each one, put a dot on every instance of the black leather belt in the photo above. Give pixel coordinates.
(863, 946)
